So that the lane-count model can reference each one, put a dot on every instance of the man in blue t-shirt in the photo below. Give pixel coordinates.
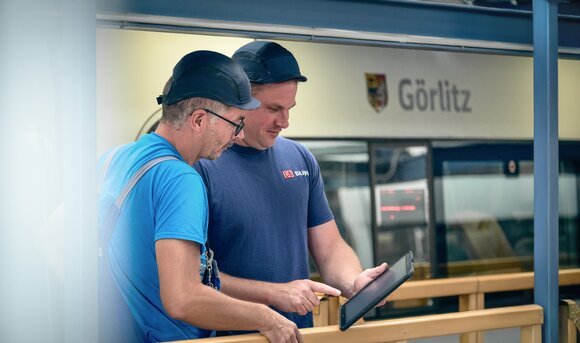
(267, 206)
(155, 268)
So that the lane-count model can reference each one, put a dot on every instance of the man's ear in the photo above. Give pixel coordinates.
(198, 120)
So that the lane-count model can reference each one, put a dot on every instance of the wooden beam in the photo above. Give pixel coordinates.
(521, 281)
(531, 334)
(435, 288)
(569, 315)
(506, 282)
(403, 329)
(469, 302)
(569, 277)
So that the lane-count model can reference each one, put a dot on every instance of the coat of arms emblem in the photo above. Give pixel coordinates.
(377, 91)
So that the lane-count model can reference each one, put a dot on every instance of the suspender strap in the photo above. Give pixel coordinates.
(210, 271)
(107, 162)
(105, 167)
(118, 316)
(138, 175)
(115, 209)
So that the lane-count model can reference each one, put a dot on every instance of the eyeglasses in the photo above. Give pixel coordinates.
(238, 127)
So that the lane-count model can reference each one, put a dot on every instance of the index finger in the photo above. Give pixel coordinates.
(324, 288)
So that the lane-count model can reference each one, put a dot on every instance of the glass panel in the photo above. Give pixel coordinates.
(479, 202)
(485, 196)
(344, 169)
(402, 204)
(569, 204)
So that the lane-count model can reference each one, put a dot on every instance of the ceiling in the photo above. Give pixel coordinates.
(497, 25)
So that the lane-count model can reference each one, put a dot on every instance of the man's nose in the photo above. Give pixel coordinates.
(283, 120)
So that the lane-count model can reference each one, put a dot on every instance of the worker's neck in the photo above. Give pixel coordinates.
(185, 142)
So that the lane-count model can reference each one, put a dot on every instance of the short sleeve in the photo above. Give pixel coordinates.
(318, 209)
(181, 209)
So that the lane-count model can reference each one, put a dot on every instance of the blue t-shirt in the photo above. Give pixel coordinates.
(262, 203)
(169, 201)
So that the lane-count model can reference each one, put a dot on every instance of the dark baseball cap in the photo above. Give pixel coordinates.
(210, 75)
(268, 62)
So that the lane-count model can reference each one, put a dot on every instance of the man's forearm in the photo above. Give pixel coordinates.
(297, 296)
(249, 290)
(337, 263)
(340, 268)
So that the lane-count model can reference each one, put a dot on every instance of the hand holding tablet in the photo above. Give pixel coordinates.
(375, 291)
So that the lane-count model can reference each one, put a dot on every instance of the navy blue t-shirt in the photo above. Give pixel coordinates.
(261, 204)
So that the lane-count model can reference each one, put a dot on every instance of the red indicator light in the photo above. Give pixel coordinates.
(398, 208)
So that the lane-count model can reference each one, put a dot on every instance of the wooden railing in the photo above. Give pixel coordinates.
(469, 323)
(569, 321)
(470, 291)
(529, 318)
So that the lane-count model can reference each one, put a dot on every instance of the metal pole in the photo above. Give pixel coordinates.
(546, 164)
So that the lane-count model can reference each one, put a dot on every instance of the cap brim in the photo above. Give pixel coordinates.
(276, 79)
(252, 105)
(300, 78)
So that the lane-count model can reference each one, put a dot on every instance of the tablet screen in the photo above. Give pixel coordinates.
(376, 290)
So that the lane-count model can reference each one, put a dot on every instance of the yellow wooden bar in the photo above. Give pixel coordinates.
(568, 277)
(521, 281)
(333, 306)
(569, 317)
(464, 287)
(435, 288)
(468, 302)
(470, 337)
(531, 334)
(320, 313)
(506, 282)
(394, 330)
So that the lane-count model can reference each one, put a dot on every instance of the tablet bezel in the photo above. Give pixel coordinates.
(408, 260)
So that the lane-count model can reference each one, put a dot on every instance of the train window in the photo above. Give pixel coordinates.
(569, 204)
(480, 202)
(401, 205)
(462, 207)
(344, 169)
(485, 208)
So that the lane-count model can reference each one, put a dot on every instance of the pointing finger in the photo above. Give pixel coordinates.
(324, 288)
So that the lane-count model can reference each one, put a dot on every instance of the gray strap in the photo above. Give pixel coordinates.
(133, 181)
(107, 162)
(106, 165)
(114, 210)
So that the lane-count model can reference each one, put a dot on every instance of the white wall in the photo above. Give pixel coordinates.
(132, 67)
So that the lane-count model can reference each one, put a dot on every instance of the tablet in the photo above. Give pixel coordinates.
(376, 291)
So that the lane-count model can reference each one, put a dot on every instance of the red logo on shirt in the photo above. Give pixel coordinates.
(288, 174)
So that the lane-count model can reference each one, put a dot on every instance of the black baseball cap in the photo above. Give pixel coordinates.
(210, 75)
(268, 62)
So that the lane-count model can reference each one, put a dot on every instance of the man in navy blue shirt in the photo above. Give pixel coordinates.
(267, 207)
(155, 263)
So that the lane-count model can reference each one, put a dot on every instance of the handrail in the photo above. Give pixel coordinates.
(521, 281)
(569, 321)
(527, 317)
(435, 288)
(471, 291)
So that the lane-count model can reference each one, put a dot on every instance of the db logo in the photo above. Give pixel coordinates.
(288, 174)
